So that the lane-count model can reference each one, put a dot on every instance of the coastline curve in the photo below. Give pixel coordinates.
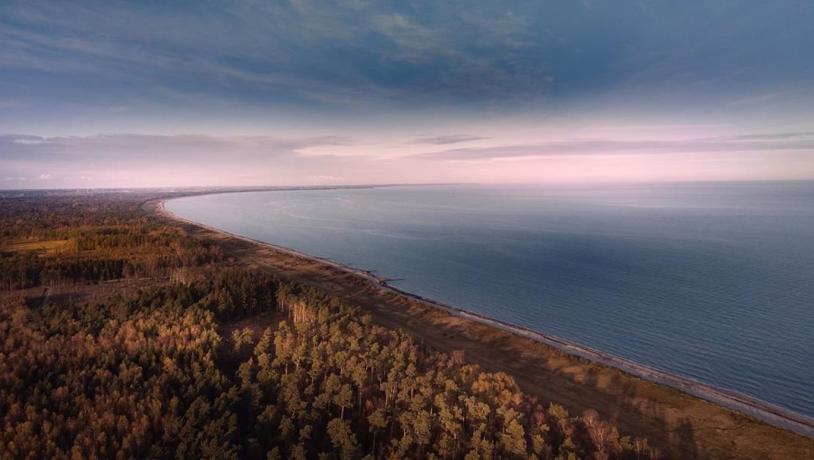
(750, 406)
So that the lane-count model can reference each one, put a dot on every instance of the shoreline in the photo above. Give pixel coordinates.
(733, 400)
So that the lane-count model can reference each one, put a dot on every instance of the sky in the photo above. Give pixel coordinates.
(232, 93)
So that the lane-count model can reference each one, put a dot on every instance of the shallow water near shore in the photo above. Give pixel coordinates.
(713, 281)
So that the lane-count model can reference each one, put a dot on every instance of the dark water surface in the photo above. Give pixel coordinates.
(713, 281)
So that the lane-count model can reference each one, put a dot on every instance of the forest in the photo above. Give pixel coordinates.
(158, 351)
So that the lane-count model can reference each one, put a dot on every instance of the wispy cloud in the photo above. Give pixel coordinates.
(775, 136)
(414, 41)
(748, 143)
(128, 159)
(523, 79)
(167, 148)
(283, 52)
(447, 139)
(342, 53)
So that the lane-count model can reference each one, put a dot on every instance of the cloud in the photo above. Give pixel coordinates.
(413, 40)
(447, 139)
(341, 54)
(773, 136)
(748, 143)
(330, 53)
(164, 148)
(129, 159)
(753, 100)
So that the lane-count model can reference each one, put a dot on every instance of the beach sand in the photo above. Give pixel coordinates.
(678, 422)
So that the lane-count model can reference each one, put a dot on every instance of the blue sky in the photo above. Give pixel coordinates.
(252, 92)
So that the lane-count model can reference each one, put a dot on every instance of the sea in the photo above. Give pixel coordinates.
(710, 281)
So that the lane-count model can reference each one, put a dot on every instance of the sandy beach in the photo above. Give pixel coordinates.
(685, 418)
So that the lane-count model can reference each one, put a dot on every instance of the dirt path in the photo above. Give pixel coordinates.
(682, 426)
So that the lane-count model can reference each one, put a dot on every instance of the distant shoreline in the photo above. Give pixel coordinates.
(753, 407)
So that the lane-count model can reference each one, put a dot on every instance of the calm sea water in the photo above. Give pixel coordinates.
(713, 281)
